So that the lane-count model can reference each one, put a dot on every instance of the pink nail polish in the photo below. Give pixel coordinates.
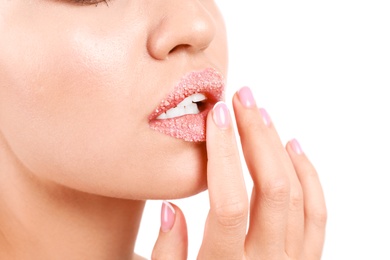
(266, 118)
(167, 216)
(246, 97)
(221, 115)
(296, 146)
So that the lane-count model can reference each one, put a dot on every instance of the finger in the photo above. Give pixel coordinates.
(314, 208)
(270, 168)
(296, 219)
(172, 242)
(225, 228)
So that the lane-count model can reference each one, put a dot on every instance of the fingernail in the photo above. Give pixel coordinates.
(296, 146)
(246, 97)
(266, 118)
(221, 115)
(167, 216)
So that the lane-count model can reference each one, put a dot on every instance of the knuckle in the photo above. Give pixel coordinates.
(233, 214)
(318, 217)
(227, 154)
(296, 200)
(226, 151)
(253, 126)
(276, 192)
(311, 172)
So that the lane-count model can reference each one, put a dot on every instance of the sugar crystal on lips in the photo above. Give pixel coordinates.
(178, 115)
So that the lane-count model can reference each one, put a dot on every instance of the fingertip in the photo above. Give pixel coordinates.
(297, 155)
(219, 129)
(246, 97)
(168, 215)
(266, 118)
(221, 115)
(295, 146)
(172, 241)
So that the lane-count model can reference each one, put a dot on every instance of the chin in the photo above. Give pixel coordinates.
(178, 171)
(173, 182)
(161, 167)
(179, 175)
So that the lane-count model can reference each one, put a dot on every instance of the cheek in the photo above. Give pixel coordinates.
(64, 98)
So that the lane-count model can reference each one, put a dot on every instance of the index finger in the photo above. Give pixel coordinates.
(225, 230)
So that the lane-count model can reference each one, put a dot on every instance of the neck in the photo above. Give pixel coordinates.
(46, 221)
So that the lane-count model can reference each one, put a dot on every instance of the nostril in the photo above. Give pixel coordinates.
(180, 47)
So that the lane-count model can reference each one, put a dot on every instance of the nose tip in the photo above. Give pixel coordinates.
(191, 29)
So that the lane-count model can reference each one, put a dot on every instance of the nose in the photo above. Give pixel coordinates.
(183, 26)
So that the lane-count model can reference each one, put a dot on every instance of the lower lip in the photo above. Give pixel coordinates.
(190, 128)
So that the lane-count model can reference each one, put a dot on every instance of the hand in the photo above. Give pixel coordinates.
(287, 207)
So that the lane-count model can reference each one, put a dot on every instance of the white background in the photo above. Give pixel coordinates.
(322, 70)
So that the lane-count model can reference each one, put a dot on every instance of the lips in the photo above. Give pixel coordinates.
(183, 113)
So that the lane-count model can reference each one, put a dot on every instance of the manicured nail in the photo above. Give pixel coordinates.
(167, 216)
(266, 118)
(246, 97)
(221, 115)
(296, 146)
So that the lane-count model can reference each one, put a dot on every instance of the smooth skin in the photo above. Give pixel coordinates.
(78, 159)
(287, 209)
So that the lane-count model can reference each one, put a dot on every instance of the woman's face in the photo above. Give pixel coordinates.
(80, 84)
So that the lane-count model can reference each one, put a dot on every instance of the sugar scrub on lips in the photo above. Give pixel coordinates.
(183, 113)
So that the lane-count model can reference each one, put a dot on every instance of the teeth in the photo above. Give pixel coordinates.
(197, 97)
(187, 107)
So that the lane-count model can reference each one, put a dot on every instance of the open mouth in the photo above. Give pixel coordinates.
(183, 113)
(191, 105)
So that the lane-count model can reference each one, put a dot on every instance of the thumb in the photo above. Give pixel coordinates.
(172, 241)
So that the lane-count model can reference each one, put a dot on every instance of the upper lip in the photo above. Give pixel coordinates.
(209, 82)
